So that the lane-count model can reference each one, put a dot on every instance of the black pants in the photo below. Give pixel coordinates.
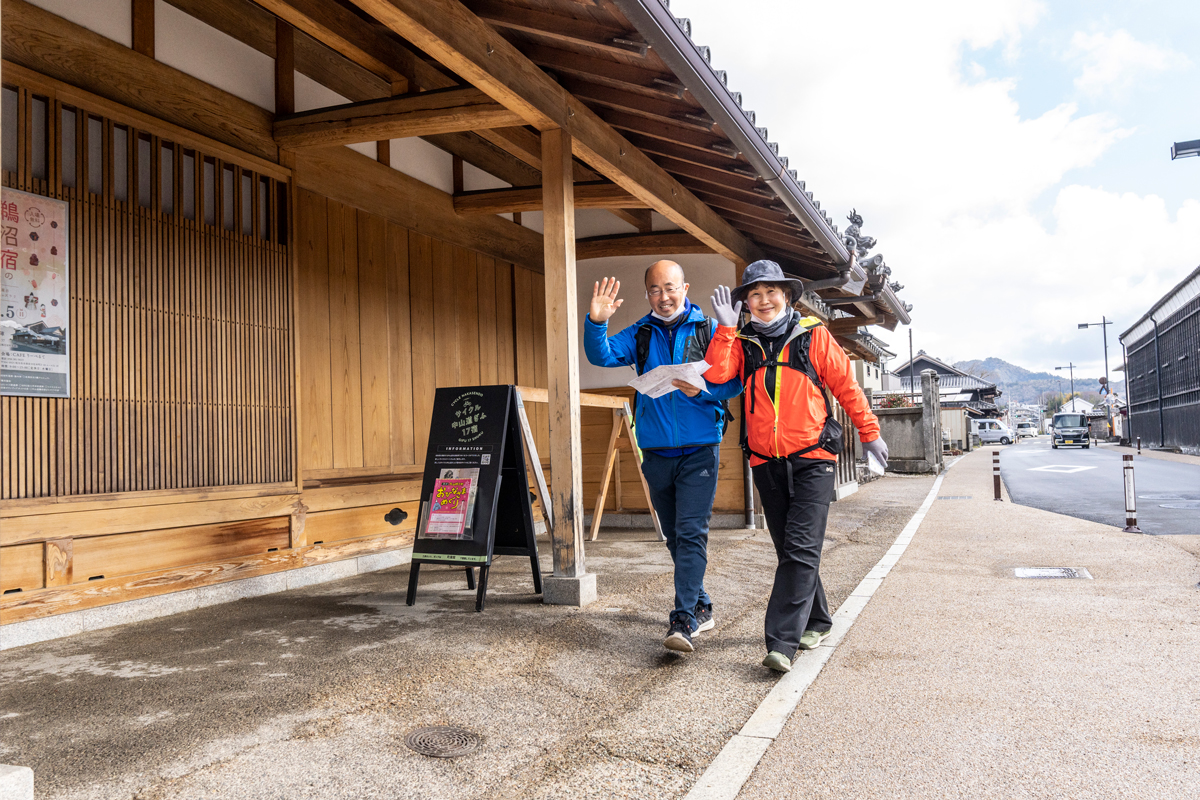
(797, 526)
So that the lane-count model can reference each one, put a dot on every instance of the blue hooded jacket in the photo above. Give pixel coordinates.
(673, 420)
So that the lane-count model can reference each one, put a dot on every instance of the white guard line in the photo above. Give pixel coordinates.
(732, 767)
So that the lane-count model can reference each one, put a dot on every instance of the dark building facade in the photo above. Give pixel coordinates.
(1163, 368)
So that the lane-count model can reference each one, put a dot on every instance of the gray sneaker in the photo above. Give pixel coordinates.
(812, 639)
(777, 661)
(704, 618)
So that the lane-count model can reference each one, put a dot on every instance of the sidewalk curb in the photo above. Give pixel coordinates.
(729, 771)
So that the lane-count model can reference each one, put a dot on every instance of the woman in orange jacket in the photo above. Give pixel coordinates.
(792, 439)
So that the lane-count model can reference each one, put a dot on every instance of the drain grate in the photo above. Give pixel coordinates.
(1186, 504)
(443, 741)
(1052, 572)
(954, 497)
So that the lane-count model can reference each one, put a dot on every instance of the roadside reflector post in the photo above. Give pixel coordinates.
(1131, 525)
(996, 473)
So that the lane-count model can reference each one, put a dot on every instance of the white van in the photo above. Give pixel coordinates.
(1026, 429)
(992, 431)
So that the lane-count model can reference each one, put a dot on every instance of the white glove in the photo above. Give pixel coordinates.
(723, 308)
(877, 448)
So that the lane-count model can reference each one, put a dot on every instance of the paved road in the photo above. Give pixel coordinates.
(1088, 484)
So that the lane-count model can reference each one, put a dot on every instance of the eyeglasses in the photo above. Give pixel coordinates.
(670, 288)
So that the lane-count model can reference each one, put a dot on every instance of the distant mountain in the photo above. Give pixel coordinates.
(1020, 385)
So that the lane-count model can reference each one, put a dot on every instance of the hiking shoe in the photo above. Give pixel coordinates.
(777, 661)
(679, 638)
(704, 618)
(811, 639)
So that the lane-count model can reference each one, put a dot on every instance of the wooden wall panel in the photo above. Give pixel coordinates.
(424, 373)
(345, 345)
(21, 568)
(355, 523)
(374, 341)
(316, 399)
(400, 362)
(99, 557)
(180, 331)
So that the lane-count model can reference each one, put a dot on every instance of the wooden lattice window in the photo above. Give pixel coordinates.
(182, 368)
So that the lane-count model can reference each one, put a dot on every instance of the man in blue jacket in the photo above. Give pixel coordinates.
(679, 433)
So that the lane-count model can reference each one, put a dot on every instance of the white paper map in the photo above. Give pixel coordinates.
(657, 381)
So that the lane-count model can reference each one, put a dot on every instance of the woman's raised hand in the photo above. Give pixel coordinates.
(724, 308)
(604, 300)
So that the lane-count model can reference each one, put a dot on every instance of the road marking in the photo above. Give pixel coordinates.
(729, 771)
(1065, 469)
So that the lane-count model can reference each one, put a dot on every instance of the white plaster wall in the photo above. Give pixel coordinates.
(187, 44)
(419, 159)
(703, 273)
(598, 222)
(112, 19)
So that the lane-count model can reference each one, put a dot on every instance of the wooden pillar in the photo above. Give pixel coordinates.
(562, 356)
(285, 68)
(143, 27)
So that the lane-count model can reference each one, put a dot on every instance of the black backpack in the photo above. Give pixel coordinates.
(754, 359)
(693, 350)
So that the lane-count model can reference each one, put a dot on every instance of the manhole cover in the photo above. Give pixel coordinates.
(1187, 504)
(443, 741)
(1052, 572)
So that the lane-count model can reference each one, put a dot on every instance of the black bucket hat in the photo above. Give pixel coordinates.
(766, 272)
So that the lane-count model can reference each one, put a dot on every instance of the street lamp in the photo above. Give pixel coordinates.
(1185, 149)
(1070, 366)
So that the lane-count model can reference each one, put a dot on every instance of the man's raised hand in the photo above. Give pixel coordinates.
(604, 300)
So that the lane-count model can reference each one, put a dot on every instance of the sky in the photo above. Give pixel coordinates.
(1012, 157)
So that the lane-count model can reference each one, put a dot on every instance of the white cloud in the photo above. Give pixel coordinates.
(1114, 61)
(885, 116)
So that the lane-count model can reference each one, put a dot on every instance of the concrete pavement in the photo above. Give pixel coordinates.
(961, 680)
(310, 692)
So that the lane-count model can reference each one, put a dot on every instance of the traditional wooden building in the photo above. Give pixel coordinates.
(290, 220)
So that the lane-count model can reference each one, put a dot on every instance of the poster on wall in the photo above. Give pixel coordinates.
(34, 296)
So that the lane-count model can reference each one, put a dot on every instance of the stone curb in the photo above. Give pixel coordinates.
(729, 771)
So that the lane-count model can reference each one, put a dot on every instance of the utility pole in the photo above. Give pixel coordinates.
(1070, 366)
(911, 394)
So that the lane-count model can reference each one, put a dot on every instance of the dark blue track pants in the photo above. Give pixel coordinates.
(683, 489)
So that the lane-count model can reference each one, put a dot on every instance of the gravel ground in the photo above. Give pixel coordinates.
(309, 693)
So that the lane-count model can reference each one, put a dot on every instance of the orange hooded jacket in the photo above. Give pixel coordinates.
(792, 419)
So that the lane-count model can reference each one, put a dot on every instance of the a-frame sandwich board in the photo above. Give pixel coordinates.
(475, 501)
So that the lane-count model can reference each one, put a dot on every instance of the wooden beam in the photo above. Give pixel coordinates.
(844, 326)
(559, 27)
(612, 73)
(425, 113)
(285, 68)
(347, 33)
(640, 244)
(474, 149)
(352, 178)
(255, 27)
(562, 355)
(637, 217)
(530, 198)
(143, 27)
(60, 49)
(465, 44)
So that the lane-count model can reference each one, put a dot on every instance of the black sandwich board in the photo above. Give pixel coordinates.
(475, 500)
